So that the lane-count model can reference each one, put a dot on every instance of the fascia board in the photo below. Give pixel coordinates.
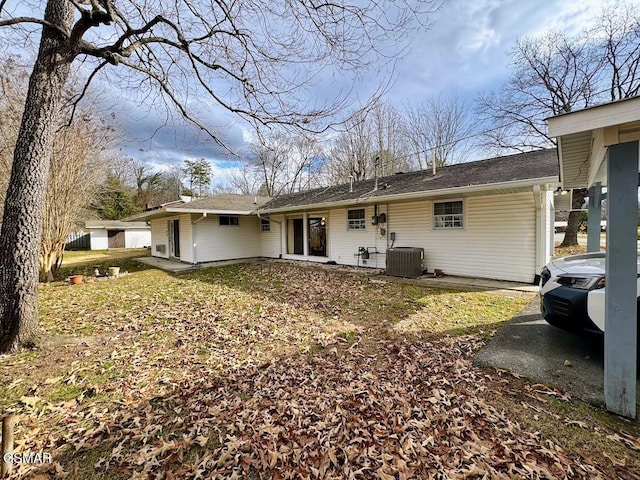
(418, 195)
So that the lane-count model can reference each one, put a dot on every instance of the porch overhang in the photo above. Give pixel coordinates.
(173, 211)
(584, 136)
(600, 146)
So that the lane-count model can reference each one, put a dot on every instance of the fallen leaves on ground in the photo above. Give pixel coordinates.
(274, 371)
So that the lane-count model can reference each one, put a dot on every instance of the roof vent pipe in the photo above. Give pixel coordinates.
(376, 162)
(350, 183)
(255, 200)
(433, 161)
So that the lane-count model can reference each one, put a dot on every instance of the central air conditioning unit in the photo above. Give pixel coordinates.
(405, 262)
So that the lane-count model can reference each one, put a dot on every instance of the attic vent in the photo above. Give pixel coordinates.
(161, 248)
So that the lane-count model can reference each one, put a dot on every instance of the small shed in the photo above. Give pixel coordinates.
(106, 234)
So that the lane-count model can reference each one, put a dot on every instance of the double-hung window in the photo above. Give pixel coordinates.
(265, 225)
(356, 219)
(448, 214)
(229, 220)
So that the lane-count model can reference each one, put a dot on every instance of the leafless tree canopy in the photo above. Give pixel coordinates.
(280, 162)
(372, 143)
(437, 129)
(251, 57)
(550, 75)
(558, 73)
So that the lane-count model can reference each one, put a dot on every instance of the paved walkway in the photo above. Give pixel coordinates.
(175, 266)
(448, 281)
(531, 347)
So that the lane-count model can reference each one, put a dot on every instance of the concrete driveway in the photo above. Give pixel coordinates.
(529, 346)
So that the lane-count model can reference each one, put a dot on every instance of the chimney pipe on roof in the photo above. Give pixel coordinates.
(350, 183)
(433, 161)
(376, 162)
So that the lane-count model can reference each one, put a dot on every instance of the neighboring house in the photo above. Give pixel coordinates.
(490, 219)
(105, 234)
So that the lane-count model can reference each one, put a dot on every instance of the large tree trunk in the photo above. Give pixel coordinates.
(573, 222)
(24, 203)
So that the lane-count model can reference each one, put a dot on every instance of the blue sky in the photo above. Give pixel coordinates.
(465, 50)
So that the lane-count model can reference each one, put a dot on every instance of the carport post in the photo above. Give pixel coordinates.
(620, 340)
(595, 214)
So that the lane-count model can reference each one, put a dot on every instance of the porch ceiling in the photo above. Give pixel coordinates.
(583, 138)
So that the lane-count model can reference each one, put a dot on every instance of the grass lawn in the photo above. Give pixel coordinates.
(272, 370)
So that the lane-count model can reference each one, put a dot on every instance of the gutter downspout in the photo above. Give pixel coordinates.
(538, 198)
(279, 224)
(193, 235)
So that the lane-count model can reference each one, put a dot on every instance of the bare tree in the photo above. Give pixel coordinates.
(228, 51)
(437, 129)
(80, 153)
(244, 181)
(280, 162)
(557, 74)
(352, 151)
(551, 75)
(77, 161)
(618, 31)
(372, 143)
(13, 81)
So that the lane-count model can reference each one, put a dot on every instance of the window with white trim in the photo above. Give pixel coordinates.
(356, 219)
(265, 225)
(448, 214)
(228, 220)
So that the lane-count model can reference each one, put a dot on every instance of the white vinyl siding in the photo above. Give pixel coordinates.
(159, 237)
(99, 239)
(215, 242)
(186, 244)
(270, 242)
(498, 241)
(343, 244)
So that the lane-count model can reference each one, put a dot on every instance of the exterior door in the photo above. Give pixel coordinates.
(317, 236)
(298, 236)
(174, 238)
(116, 238)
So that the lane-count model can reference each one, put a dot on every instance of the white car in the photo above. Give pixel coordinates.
(572, 292)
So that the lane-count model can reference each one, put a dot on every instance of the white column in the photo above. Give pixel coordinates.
(305, 234)
(595, 214)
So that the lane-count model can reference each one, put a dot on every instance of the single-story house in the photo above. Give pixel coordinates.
(220, 227)
(490, 219)
(105, 234)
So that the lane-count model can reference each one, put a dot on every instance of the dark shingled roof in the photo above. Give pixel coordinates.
(224, 202)
(114, 224)
(510, 168)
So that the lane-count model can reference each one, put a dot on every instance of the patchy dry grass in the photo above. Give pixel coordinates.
(566, 251)
(270, 370)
